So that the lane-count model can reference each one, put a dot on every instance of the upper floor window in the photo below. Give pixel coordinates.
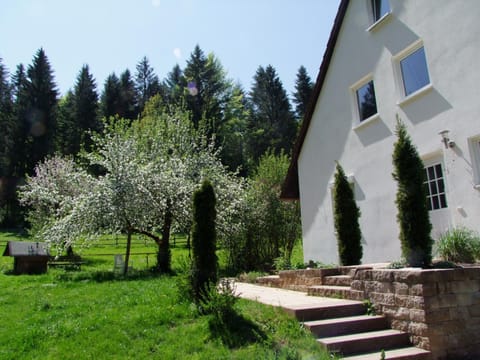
(366, 102)
(475, 152)
(414, 71)
(435, 187)
(380, 8)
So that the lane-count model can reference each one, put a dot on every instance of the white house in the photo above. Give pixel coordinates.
(418, 60)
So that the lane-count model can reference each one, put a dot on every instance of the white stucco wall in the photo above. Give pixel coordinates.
(450, 32)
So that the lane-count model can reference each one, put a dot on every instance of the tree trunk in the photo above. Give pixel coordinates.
(127, 254)
(163, 255)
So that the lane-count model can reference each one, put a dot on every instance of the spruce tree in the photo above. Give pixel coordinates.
(175, 85)
(272, 123)
(86, 109)
(68, 134)
(303, 92)
(128, 105)
(110, 99)
(146, 83)
(204, 271)
(411, 200)
(346, 215)
(42, 96)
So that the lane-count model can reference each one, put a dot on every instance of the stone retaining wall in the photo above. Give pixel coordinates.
(439, 308)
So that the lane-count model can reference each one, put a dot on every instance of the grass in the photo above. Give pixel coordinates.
(90, 314)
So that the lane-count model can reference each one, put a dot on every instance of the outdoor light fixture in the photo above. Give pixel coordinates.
(445, 139)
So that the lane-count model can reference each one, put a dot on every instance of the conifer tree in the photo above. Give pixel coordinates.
(411, 200)
(272, 124)
(68, 137)
(110, 99)
(128, 106)
(86, 108)
(42, 97)
(204, 270)
(346, 218)
(303, 92)
(175, 85)
(146, 83)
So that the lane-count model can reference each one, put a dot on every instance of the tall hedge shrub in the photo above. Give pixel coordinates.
(204, 262)
(411, 200)
(347, 213)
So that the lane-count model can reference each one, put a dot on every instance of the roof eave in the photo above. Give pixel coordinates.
(290, 187)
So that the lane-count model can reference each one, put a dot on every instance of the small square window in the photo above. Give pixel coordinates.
(366, 102)
(380, 8)
(414, 71)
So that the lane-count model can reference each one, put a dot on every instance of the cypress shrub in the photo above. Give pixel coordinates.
(346, 217)
(204, 264)
(411, 201)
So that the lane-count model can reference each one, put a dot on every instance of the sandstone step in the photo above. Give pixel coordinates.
(340, 292)
(270, 280)
(346, 325)
(337, 280)
(327, 311)
(366, 342)
(407, 353)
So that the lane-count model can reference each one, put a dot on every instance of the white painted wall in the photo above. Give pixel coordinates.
(450, 32)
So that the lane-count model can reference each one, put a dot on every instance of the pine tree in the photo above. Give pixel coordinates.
(86, 109)
(146, 83)
(204, 270)
(68, 138)
(42, 95)
(128, 106)
(272, 124)
(346, 216)
(411, 200)
(110, 99)
(303, 92)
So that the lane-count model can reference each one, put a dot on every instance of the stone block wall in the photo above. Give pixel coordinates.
(439, 308)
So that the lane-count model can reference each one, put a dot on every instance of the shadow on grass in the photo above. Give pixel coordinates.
(106, 275)
(235, 330)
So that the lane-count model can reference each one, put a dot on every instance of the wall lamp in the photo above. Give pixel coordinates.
(446, 140)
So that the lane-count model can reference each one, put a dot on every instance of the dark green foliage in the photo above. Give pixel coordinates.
(272, 124)
(413, 217)
(175, 85)
(346, 215)
(68, 139)
(110, 99)
(146, 83)
(41, 115)
(86, 109)
(128, 105)
(204, 267)
(303, 92)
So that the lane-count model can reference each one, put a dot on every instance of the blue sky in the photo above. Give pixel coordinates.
(112, 35)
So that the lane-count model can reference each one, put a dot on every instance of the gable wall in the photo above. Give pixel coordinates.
(450, 34)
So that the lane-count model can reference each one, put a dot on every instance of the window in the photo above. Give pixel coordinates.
(380, 8)
(435, 187)
(366, 102)
(414, 71)
(475, 151)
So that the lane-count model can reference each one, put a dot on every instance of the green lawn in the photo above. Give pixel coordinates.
(89, 314)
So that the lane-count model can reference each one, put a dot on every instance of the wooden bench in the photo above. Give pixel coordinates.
(66, 262)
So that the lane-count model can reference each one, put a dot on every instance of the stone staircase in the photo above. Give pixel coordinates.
(345, 328)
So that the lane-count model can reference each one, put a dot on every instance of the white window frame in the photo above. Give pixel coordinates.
(430, 196)
(405, 99)
(474, 145)
(375, 23)
(358, 122)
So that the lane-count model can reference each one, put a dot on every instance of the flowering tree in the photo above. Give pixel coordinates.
(151, 171)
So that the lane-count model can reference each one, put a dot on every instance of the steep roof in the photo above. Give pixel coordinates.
(25, 248)
(290, 188)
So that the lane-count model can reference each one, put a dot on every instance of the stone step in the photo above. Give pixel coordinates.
(346, 325)
(270, 280)
(328, 311)
(339, 292)
(366, 342)
(337, 280)
(407, 353)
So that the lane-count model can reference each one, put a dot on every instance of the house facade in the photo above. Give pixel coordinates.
(389, 59)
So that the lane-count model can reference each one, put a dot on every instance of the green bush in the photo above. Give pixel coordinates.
(347, 214)
(459, 245)
(411, 201)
